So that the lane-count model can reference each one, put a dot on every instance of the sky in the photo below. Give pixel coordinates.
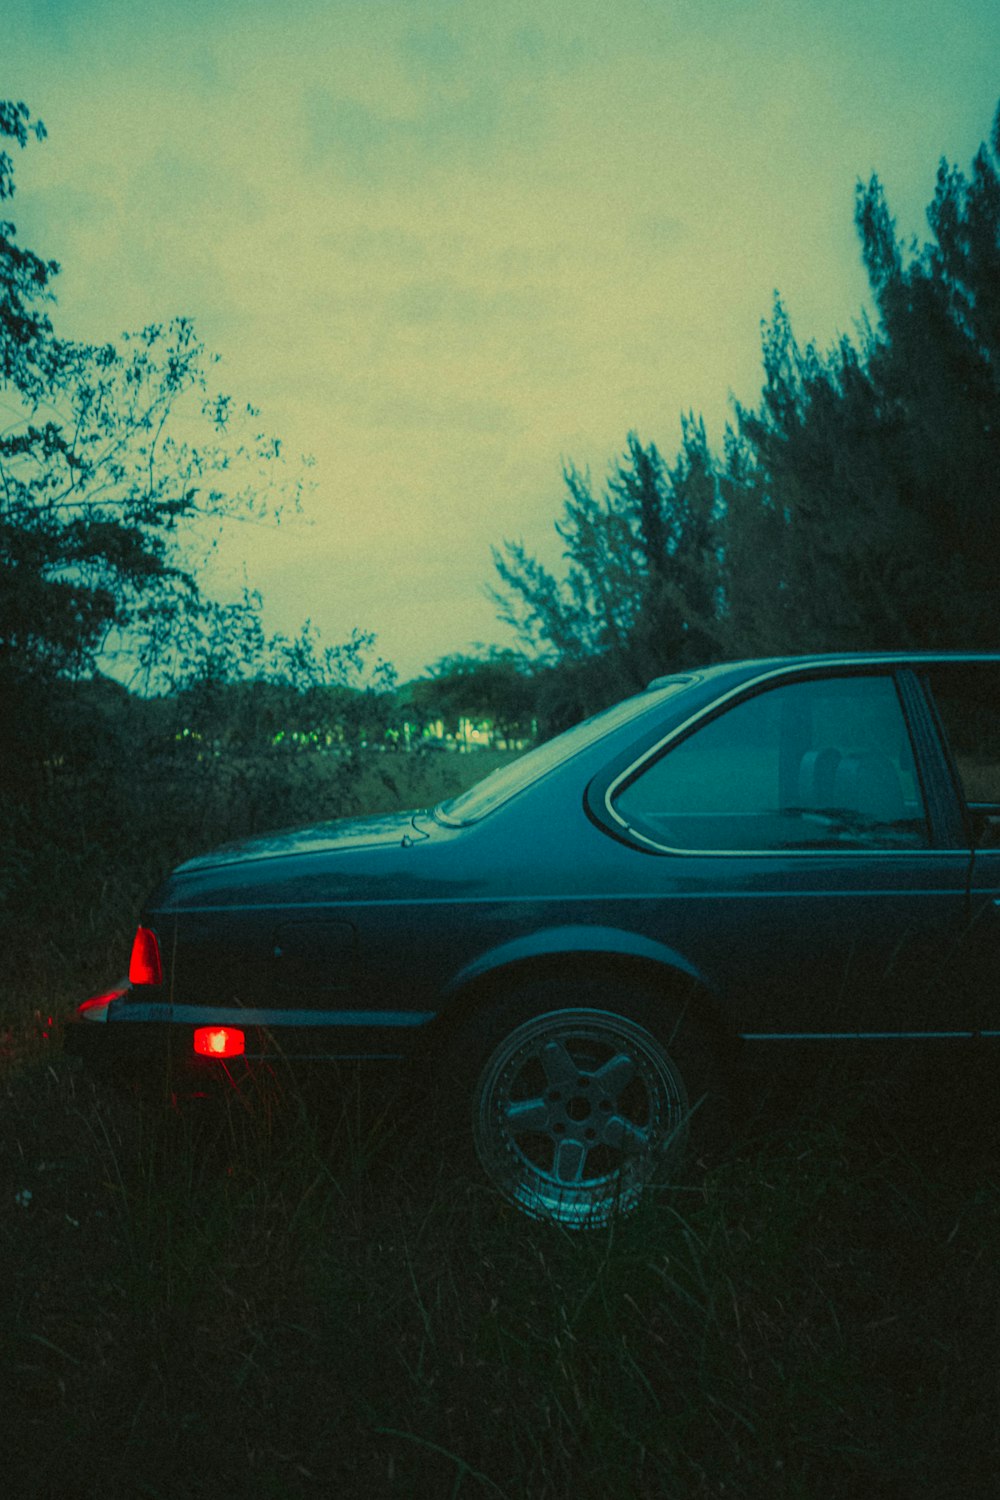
(448, 246)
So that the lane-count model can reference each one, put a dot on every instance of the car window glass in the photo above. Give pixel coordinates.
(968, 700)
(821, 764)
(502, 783)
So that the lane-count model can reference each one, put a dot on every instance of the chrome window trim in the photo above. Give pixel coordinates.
(827, 666)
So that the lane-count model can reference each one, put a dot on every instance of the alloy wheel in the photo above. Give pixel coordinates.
(575, 1111)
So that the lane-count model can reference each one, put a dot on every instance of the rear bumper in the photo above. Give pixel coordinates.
(134, 1033)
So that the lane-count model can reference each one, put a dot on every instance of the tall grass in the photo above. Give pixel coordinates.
(273, 1300)
(282, 1294)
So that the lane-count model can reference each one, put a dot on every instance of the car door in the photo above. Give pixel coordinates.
(965, 698)
(804, 868)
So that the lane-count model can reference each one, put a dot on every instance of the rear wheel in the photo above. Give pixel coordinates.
(578, 1108)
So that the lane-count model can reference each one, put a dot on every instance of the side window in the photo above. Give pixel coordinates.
(968, 701)
(820, 764)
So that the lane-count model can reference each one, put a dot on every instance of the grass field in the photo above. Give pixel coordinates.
(269, 1297)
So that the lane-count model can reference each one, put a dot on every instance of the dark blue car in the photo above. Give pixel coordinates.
(590, 943)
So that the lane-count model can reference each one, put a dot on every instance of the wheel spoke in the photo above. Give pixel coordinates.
(527, 1114)
(625, 1136)
(616, 1074)
(570, 1160)
(559, 1067)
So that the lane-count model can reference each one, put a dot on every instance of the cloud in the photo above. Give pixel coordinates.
(381, 145)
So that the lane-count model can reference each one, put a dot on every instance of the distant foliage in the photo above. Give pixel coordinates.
(644, 577)
(118, 462)
(496, 687)
(880, 460)
(857, 505)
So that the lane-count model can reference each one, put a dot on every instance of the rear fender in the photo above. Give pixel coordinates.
(559, 950)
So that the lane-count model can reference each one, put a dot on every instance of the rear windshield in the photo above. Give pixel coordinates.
(507, 780)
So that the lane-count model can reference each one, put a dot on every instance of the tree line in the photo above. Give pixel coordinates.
(855, 506)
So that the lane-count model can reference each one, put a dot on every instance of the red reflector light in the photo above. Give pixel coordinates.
(219, 1041)
(97, 1001)
(144, 965)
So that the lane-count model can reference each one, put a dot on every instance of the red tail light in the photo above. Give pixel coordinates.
(144, 965)
(219, 1041)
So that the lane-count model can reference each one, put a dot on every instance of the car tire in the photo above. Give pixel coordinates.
(581, 1095)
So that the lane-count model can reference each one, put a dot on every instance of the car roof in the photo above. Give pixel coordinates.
(760, 666)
